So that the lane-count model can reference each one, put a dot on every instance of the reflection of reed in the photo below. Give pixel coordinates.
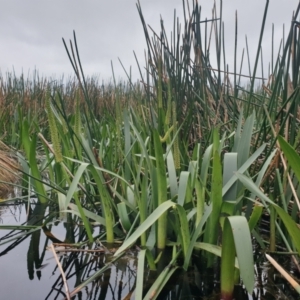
(91, 271)
(95, 272)
(34, 260)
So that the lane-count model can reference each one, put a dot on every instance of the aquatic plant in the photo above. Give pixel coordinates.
(180, 161)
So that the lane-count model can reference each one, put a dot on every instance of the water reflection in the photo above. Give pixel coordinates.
(34, 260)
(114, 283)
(32, 273)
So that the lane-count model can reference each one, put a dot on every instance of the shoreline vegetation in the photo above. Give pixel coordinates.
(9, 170)
(186, 159)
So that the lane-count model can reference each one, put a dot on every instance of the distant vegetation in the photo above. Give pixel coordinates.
(187, 158)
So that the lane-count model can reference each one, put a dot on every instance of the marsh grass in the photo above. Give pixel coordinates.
(179, 160)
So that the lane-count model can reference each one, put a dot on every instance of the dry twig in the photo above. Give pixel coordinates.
(61, 271)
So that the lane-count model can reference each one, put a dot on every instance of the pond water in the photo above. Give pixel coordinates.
(30, 271)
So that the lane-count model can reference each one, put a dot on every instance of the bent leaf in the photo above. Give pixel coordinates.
(291, 155)
(243, 246)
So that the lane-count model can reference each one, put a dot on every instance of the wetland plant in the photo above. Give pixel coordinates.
(185, 160)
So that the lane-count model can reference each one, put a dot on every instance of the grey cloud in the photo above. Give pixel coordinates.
(31, 31)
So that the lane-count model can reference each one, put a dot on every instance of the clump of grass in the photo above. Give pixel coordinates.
(8, 169)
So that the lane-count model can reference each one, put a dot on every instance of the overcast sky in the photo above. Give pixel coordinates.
(31, 31)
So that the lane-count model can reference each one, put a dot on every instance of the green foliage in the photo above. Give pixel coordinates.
(53, 130)
(236, 239)
(29, 145)
(212, 229)
(179, 159)
(161, 190)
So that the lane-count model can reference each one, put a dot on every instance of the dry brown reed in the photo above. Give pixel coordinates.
(8, 170)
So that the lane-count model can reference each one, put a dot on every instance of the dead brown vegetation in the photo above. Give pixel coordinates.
(8, 169)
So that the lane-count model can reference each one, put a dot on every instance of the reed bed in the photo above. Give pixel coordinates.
(186, 158)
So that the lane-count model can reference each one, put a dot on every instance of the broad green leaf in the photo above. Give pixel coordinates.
(61, 203)
(184, 188)
(30, 149)
(230, 167)
(243, 168)
(172, 174)
(227, 261)
(140, 275)
(193, 169)
(123, 214)
(158, 212)
(199, 190)
(289, 223)
(243, 247)
(205, 164)
(243, 149)
(130, 195)
(73, 187)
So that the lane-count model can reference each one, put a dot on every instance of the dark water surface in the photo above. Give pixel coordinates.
(29, 270)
